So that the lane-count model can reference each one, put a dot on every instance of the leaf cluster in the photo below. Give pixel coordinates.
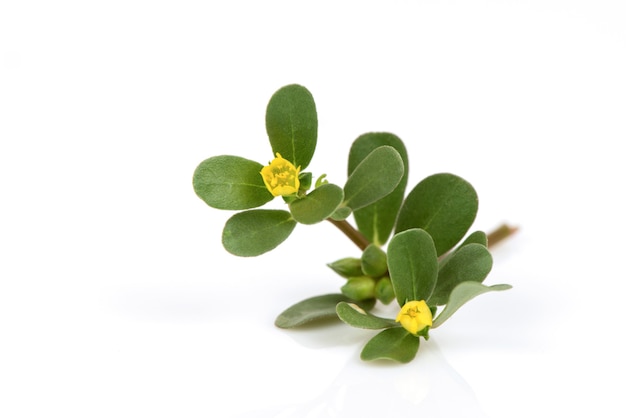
(233, 183)
(413, 245)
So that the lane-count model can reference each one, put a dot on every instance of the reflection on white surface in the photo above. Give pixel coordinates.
(428, 386)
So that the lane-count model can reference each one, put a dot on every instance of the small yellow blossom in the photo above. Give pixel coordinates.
(281, 177)
(415, 316)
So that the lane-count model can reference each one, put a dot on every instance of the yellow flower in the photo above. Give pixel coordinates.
(281, 177)
(415, 316)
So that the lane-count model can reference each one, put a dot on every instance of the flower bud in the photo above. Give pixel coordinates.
(359, 288)
(384, 290)
(347, 267)
(374, 261)
(306, 180)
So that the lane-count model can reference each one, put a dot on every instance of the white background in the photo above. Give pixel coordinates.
(117, 298)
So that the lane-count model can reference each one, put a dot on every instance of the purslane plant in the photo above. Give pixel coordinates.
(412, 245)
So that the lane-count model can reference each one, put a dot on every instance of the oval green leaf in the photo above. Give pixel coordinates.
(463, 293)
(374, 178)
(376, 221)
(413, 265)
(353, 315)
(476, 237)
(317, 205)
(314, 309)
(444, 205)
(342, 213)
(392, 344)
(230, 182)
(471, 262)
(254, 232)
(291, 124)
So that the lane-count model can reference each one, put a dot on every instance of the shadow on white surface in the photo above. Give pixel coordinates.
(428, 386)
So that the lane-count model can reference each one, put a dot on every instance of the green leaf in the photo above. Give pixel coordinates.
(413, 265)
(254, 232)
(393, 344)
(471, 262)
(374, 261)
(463, 293)
(444, 205)
(353, 315)
(314, 309)
(291, 124)
(374, 178)
(230, 182)
(341, 213)
(476, 237)
(376, 220)
(317, 205)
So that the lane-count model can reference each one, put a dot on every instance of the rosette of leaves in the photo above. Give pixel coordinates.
(235, 183)
(418, 274)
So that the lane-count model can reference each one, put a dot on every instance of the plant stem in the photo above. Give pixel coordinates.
(500, 234)
(354, 235)
(494, 237)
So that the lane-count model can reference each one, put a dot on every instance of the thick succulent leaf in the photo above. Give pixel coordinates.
(314, 309)
(413, 265)
(463, 293)
(291, 124)
(374, 178)
(476, 237)
(257, 231)
(471, 262)
(230, 182)
(352, 314)
(317, 205)
(376, 220)
(392, 344)
(342, 213)
(444, 205)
